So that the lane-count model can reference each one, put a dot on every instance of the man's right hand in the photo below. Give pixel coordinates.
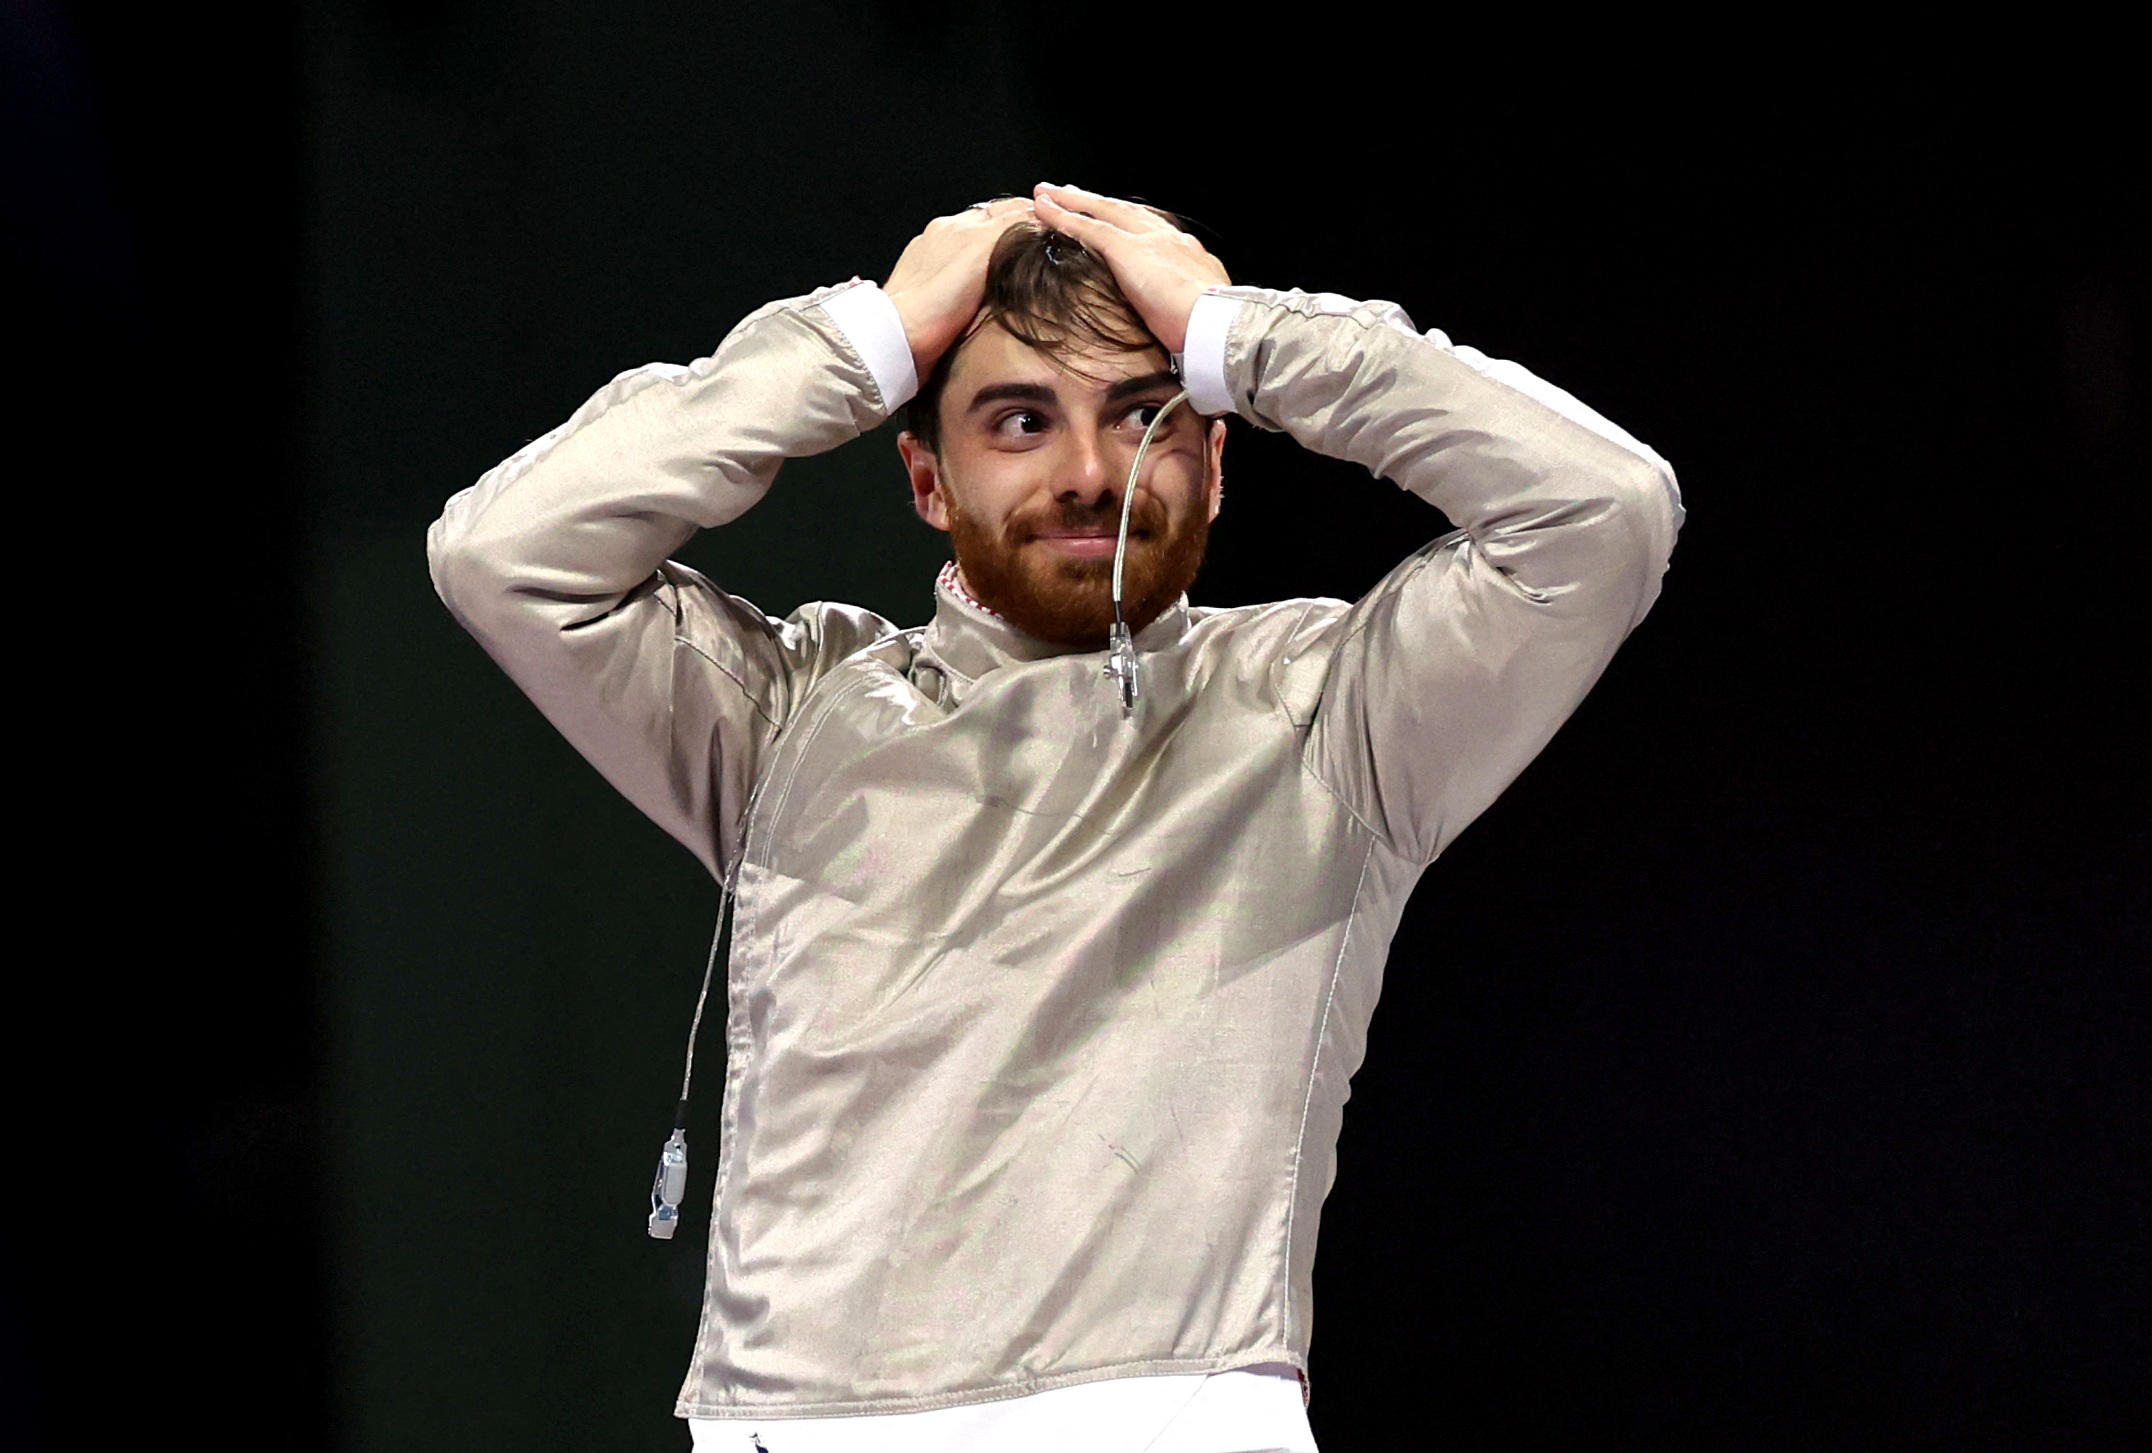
(939, 284)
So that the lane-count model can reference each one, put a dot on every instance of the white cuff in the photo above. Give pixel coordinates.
(873, 326)
(1203, 356)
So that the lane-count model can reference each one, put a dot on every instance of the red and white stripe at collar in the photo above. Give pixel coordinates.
(952, 580)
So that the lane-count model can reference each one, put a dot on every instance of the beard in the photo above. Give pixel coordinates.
(1067, 600)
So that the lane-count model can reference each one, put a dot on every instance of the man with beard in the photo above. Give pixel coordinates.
(1042, 1002)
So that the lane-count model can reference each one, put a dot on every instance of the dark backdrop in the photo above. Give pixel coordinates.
(1765, 1068)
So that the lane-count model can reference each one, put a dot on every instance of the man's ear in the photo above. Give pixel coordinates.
(924, 471)
(1217, 466)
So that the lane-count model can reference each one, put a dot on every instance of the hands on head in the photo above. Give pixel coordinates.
(939, 283)
(1161, 269)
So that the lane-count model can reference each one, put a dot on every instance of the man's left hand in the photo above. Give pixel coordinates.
(1161, 269)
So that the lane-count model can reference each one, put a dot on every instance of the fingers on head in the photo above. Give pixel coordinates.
(1068, 219)
(1131, 216)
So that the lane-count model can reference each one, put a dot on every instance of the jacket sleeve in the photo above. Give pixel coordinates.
(1427, 697)
(556, 561)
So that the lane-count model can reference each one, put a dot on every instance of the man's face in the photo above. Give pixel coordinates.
(1035, 453)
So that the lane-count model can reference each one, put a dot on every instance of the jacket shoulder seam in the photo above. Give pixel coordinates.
(746, 692)
(825, 711)
(1278, 703)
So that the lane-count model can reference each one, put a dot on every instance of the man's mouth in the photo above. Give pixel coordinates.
(1084, 542)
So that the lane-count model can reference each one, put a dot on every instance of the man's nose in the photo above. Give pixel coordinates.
(1092, 474)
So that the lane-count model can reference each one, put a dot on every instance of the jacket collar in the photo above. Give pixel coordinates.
(966, 640)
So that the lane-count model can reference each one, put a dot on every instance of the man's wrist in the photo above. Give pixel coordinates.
(871, 323)
(1202, 359)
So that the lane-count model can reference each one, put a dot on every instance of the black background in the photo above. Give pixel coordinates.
(1766, 1068)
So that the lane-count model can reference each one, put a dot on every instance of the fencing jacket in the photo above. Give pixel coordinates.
(1040, 1019)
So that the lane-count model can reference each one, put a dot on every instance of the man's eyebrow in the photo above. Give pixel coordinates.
(1039, 393)
(1129, 386)
(1035, 393)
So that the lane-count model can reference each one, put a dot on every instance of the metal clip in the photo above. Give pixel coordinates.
(669, 1187)
(1121, 665)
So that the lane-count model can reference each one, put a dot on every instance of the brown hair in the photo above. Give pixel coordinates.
(1049, 291)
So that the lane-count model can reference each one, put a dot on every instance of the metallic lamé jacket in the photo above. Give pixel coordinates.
(1039, 1019)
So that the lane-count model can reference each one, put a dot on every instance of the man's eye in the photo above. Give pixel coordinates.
(1021, 421)
(1142, 415)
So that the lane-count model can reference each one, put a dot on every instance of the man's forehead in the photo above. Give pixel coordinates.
(994, 355)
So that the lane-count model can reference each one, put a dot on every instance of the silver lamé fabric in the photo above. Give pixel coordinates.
(1040, 1020)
